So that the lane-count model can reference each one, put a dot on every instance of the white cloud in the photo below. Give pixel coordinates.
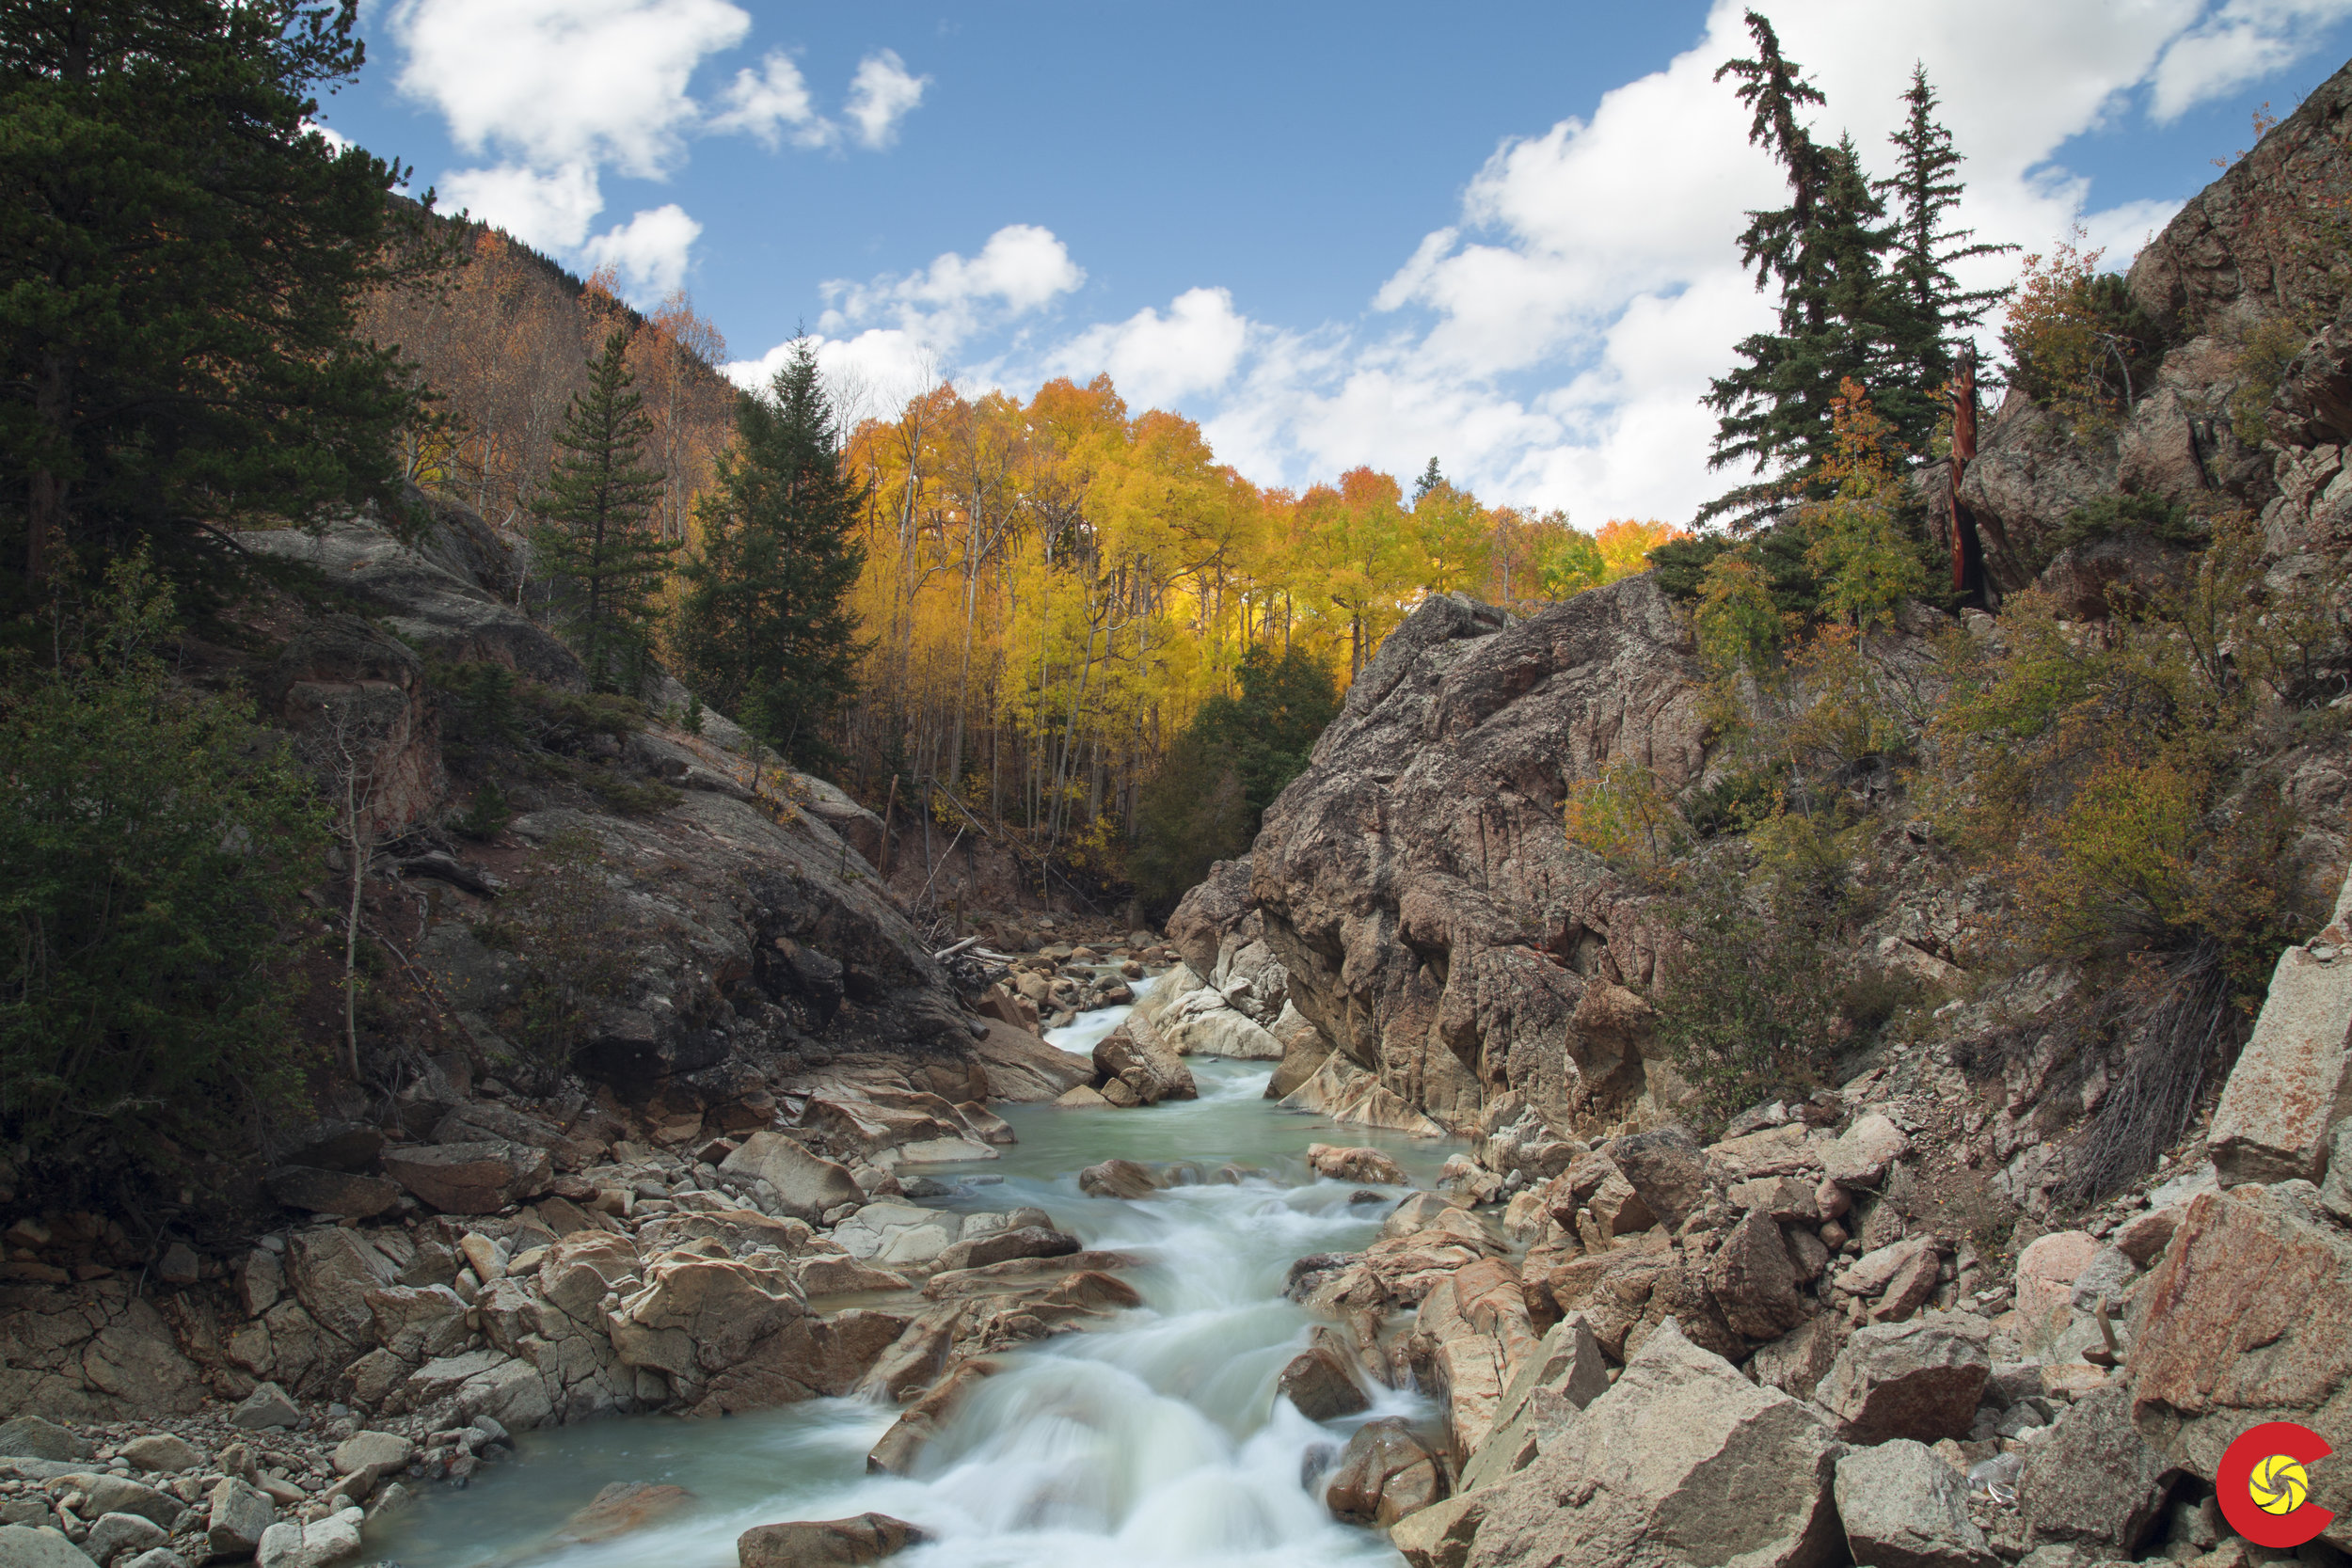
(550, 210)
(334, 140)
(882, 94)
(551, 83)
(2241, 42)
(1154, 358)
(1020, 269)
(649, 252)
(763, 103)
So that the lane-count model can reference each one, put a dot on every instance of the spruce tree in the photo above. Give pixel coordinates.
(595, 534)
(185, 260)
(1930, 310)
(765, 630)
(1825, 251)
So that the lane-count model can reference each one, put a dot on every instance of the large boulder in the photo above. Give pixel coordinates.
(1321, 1380)
(1565, 1373)
(2293, 1082)
(806, 1186)
(2246, 1318)
(1918, 1379)
(697, 1315)
(1667, 1170)
(1205, 1024)
(2094, 1479)
(1386, 1472)
(470, 1178)
(1753, 1279)
(1432, 920)
(1135, 1054)
(1682, 1463)
(1902, 1507)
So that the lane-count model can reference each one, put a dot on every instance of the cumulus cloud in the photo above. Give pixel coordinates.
(1020, 269)
(649, 252)
(882, 94)
(2241, 42)
(551, 209)
(768, 103)
(1153, 359)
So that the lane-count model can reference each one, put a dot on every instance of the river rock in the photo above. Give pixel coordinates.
(1026, 1069)
(826, 1543)
(830, 1274)
(470, 1178)
(1001, 1246)
(1348, 1095)
(1204, 1023)
(22, 1546)
(1135, 1054)
(288, 1544)
(1475, 1324)
(112, 1535)
(1640, 1476)
(1321, 1381)
(161, 1451)
(695, 1315)
(110, 1493)
(619, 1510)
(1439, 1536)
(809, 1357)
(236, 1517)
(385, 1451)
(1117, 1179)
(895, 1235)
(806, 1186)
(1386, 1472)
(1354, 1164)
(899, 1448)
(1918, 1379)
(37, 1437)
(1566, 1373)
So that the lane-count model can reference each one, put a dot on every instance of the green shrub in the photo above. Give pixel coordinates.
(153, 842)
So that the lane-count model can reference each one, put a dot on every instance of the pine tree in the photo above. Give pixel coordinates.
(597, 534)
(765, 630)
(1824, 250)
(185, 260)
(1930, 310)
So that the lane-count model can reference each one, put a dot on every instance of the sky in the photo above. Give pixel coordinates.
(1503, 235)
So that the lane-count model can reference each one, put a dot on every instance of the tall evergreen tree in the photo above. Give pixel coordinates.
(765, 630)
(595, 534)
(1825, 251)
(1930, 310)
(181, 261)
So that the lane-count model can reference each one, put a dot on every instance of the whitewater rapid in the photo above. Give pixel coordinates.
(1156, 1439)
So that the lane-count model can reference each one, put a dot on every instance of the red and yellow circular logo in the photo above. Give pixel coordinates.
(2264, 1489)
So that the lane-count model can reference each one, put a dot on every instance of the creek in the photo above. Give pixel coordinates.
(1157, 1438)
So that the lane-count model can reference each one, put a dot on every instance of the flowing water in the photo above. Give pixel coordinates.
(1156, 1439)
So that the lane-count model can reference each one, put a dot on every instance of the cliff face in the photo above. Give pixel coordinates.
(1436, 924)
(2256, 254)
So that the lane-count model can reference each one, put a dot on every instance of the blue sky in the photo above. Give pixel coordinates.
(1500, 234)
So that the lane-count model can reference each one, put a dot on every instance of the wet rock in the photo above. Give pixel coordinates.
(806, 1186)
(896, 1453)
(1321, 1381)
(1918, 1379)
(1004, 1245)
(236, 1517)
(826, 1543)
(619, 1509)
(2094, 1479)
(1386, 1472)
(470, 1178)
(1133, 1055)
(1117, 1179)
(37, 1437)
(1642, 1475)
(810, 1358)
(1905, 1507)
(1081, 1098)
(1354, 1164)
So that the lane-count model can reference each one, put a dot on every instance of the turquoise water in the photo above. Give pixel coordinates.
(1155, 1440)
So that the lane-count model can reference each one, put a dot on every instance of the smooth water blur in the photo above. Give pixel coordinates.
(1155, 1439)
(1082, 1034)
